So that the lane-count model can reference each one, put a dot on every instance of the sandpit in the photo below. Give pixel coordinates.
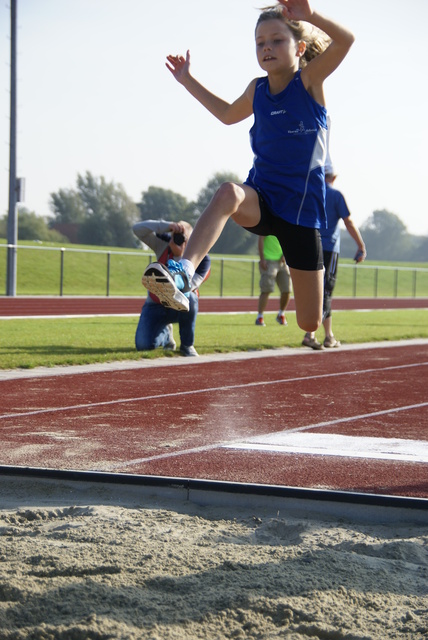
(100, 564)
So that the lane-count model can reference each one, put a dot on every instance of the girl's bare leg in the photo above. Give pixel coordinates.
(231, 200)
(242, 204)
(308, 289)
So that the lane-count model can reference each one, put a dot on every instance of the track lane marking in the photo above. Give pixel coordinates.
(239, 443)
(361, 416)
(332, 444)
(188, 392)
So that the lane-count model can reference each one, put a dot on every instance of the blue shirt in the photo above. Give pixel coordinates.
(288, 140)
(337, 210)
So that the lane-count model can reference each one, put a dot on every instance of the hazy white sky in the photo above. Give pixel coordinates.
(94, 95)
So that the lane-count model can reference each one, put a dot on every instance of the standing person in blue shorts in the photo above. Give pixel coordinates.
(284, 194)
(337, 210)
(155, 327)
(273, 270)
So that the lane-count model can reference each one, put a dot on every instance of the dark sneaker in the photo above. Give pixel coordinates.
(312, 343)
(159, 281)
(281, 319)
(260, 322)
(188, 352)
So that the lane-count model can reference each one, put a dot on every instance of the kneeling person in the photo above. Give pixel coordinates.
(168, 241)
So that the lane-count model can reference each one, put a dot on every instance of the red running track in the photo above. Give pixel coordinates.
(352, 419)
(54, 305)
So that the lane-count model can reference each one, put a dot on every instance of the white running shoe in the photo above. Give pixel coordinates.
(159, 281)
(331, 342)
(188, 351)
(171, 345)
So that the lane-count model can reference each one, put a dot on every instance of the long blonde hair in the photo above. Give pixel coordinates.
(316, 40)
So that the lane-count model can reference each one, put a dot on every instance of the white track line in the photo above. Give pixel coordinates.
(361, 416)
(375, 448)
(337, 444)
(176, 394)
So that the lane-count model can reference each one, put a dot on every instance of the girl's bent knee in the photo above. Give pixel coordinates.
(309, 324)
(231, 194)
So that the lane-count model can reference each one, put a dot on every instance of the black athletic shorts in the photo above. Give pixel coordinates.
(301, 246)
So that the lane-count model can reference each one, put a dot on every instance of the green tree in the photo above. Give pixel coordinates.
(386, 236)
(420, 248)
(67, 207)
(234, 239)
(164, 204)
(31, 227)
(110, 213)
(104, 211)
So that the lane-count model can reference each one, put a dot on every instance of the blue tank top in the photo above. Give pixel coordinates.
(336, 210)
(289, 142)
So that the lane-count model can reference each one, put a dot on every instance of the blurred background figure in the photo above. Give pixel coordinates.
(155, 327)
(273, 270)
(337, 210)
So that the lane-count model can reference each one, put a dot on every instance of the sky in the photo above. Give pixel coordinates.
(94, 95)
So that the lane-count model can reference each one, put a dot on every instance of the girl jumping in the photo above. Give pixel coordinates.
(284, 193)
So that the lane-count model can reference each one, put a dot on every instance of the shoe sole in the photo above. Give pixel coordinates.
(160, 283)
(315, 347)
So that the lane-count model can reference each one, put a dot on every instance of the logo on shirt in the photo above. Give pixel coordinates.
(280, 112)
(301, 130)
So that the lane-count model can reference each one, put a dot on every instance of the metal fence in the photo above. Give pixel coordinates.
(60, 271)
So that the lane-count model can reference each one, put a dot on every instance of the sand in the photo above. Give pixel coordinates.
(97, 563)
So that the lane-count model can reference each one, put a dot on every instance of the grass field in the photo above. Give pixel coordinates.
(29, 343)
(117, 272)
(45, 269)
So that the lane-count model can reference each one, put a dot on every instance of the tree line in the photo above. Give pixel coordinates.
(386, 238)
(100, 213)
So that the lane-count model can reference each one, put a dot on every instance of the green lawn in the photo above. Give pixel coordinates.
(117, 272)
(29, 343)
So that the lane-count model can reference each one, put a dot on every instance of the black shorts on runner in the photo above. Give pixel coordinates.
(301, 246)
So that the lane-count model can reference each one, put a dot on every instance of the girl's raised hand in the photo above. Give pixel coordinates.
(296, 9)
(179, 66)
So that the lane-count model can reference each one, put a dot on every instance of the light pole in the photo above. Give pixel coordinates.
(12, 227)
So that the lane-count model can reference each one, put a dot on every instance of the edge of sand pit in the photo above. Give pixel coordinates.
(25, 486)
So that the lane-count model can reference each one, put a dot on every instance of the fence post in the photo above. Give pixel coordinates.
(376, 282)
(355, 282)
(221, 276)
(395, 283)
(61, 277)
(108, 274)
(414, 283)
(253, 277)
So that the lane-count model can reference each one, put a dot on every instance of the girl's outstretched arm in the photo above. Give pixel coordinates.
(228, 113)
(317, 70)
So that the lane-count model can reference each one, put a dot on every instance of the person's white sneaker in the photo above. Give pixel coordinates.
(331, 342)
(188, 351)
(158, 280)
(171, 345)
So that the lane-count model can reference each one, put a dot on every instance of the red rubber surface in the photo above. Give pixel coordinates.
(177, 420)
(42, 305)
